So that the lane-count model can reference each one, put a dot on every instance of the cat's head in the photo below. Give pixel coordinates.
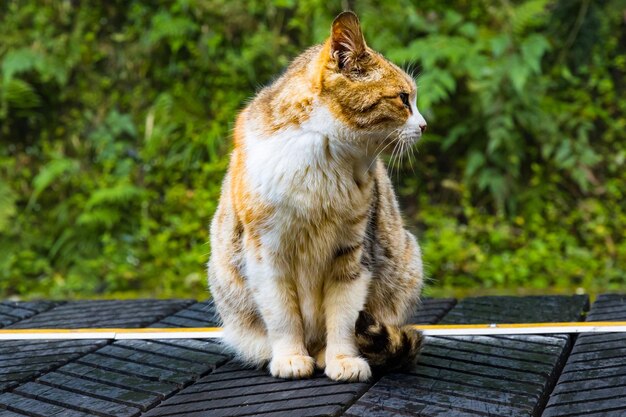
(362, 89)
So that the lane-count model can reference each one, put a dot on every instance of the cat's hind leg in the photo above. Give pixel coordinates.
(244, 331)
(381, 334)
(250, 343)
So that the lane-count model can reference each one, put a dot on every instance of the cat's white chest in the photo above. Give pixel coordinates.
(309, 182)
(301, 172)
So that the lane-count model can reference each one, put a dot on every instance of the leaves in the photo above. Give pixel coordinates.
(119, 194)
(52, 172)
(19, 94)
(115, 124)
(7, 205)
(18, 61)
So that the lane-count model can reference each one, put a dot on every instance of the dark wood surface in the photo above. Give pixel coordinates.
(456, 376)
(480, 375)
(593, 382)
(233, 390)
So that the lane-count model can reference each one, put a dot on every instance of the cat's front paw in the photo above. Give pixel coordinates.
(348, 368)
(292, 366)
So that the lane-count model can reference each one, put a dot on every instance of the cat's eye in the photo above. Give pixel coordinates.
(405, 100)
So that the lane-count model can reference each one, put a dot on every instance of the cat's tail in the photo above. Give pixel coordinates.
(386, 346)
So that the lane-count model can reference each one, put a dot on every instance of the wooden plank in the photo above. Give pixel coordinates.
(431, 310)
(517, 309)
(14, 311)
(570, 383)
(7, 413)
(473, 379)
(401, 407)
(197, 315)
(102, 313)
(466, 401)
(28, 357)
(234, 390)
(593, 381)
(55, 354)
(129, 396)
(69, 392)
(488, 356)
(145, 356)
(36, 347)
(589, 396)
(475, 367)
(502, 346)
(291, 402)
(485, 388)
(119, 379)
(26, 406)
(127, 376)
(258, 382)
(480, 375)
(330, 394)
(179, 352)
(72, 400)
(147, 371)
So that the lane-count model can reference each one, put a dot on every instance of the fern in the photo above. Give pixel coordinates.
(116, 195)
(528, 15)
(7, 205)
(20, 60)
(19, 94)
(26, 59)
(51, 172)
(101, 216)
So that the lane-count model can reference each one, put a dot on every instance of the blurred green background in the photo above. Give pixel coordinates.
(115, 119)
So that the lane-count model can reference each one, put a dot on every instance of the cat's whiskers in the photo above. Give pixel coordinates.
(384, 147)
(387, 137)
(377, 155)
(411, 156)
(400, 157)
(394, 157)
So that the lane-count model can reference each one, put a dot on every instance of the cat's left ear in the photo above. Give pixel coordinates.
(347, 44)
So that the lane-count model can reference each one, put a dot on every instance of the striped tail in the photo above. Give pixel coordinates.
(385, 346)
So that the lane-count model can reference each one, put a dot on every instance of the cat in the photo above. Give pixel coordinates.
(310, 262)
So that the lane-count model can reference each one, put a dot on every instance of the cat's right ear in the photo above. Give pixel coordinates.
(347, 44)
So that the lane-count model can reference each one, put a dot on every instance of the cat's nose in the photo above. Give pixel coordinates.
(423, 127)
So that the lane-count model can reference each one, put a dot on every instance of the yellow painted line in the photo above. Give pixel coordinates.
(216, 332)
(523, 328)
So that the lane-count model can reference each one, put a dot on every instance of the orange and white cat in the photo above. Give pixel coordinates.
(308, 233)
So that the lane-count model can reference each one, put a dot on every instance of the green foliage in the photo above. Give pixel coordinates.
(115, 120)
(527, 251)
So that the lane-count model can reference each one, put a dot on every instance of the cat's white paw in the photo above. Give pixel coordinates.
(348, 368)
(292, 366)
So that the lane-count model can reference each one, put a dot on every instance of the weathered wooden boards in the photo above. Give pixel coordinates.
(593, 382)
(23, 361)
(431, 310)
(480, 375)
(233, 390)
(11, 311)
(456, 376)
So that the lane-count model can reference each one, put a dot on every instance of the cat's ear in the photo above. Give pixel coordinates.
(347, 44)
